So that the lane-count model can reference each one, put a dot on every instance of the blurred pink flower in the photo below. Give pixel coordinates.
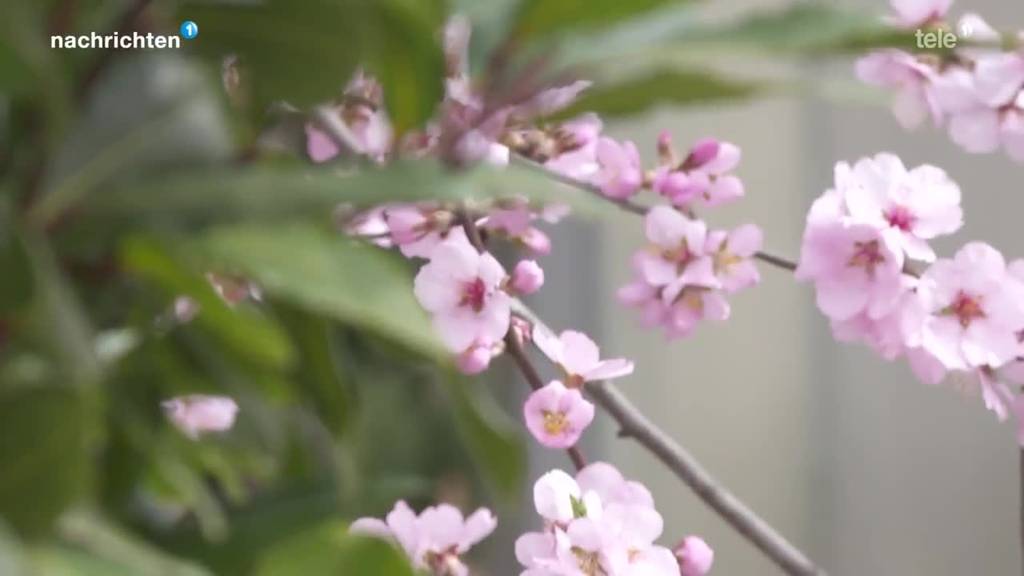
(579, 357)
(198, 414)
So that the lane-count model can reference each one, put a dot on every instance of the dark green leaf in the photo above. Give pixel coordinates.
(543, 17)
(493, 440)
(328, 549)
(44, 445)
(345, 279)
(673, 87)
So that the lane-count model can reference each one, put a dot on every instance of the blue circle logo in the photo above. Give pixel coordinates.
(189, 30)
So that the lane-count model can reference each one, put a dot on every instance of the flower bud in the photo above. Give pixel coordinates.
(474, 360)
(695, 556)
(527, 277)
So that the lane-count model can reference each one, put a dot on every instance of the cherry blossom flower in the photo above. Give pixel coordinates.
(515, 219)
(417, 229)
(575, 154)
(732, 255)
(909, 77)
(855, 266)
(556, 415)
(462, 289)
(436, 539)
(620, 174)
(695, 556)
(198, 414)
(917, 205)
(975, 309)
(703, 177)
(579, 357)
(677, 257)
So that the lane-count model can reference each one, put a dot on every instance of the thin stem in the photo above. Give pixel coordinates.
(778, 261)
(633, 424)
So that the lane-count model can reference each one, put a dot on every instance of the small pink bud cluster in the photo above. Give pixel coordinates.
(964, 314)
(198, 414)
(978, 93)
(598, 523)
(434, 540)
(703, 178)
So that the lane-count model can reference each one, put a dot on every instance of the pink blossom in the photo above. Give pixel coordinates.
(695, 556)
(436, 539)
(910, 78)
(677, 255)
(557, 416)
(198, 414)
(732, 254)
(912, 14)
(462, 288)
(703, 177)
(917, 205)
(477, 357)
(620, 175)
(975, 309)
(579, 357)
(527, 277)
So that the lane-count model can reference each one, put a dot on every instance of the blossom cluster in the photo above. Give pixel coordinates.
(683, 276)
(433, 540)
(865, 243)
(976, 91)
(601, 523)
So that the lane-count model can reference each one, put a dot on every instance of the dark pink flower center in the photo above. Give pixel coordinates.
(866, 255)
(900, 217)
(966, 308)
(473, 294)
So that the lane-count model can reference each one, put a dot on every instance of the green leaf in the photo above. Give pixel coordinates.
(286, 193)
(808, 28)
(44, 445)
(129, 554)
(328, 549)
(406, 57)
(345, 279)
(670, 87)
(543, 17)
(320, 373)
(494, 441)
(242, 329)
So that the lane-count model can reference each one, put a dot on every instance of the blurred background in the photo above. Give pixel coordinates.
(126, 178)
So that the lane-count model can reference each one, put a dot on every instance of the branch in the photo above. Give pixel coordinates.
(628, 205)
(633, 424)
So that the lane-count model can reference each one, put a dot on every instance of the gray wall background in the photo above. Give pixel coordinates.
(849, 456)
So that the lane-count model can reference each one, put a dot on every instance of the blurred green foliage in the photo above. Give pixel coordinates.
(126, 176)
